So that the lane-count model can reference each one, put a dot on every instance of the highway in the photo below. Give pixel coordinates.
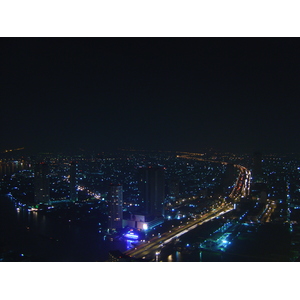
(268, 211)
(151, 248)
(242, 186)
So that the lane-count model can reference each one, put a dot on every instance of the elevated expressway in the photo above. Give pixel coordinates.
(242, 185)
(151, 248)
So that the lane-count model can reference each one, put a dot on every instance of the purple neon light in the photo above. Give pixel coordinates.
(131, 235)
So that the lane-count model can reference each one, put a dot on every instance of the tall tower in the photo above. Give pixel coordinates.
(152, 191)
(73, 181)
(41, 183)
(115, 206)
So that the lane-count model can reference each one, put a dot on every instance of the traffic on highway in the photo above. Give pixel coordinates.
(150, 249)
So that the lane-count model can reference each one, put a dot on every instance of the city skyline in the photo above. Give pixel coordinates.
(208, 186)
(87, 99)
(170, 94)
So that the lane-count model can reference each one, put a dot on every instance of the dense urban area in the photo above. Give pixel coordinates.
(134, 205)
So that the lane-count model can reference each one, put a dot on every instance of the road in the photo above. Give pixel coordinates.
(268, 211)
(152, 248)
(242, 186)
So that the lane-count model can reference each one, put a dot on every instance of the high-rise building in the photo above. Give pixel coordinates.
(115, 207)
(41, 183)
(73, 181)
(257, 166)
(173, 186)
(152, 191)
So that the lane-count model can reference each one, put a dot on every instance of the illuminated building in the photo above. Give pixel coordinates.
(152, 191)
(41, 183)
(73, 181)
(142, 222)
(131, 235)
(115, 207)
(174, 187)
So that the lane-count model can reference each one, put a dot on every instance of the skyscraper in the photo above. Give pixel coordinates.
(173, 186)
(115, 207)
(257, 166)
(41, 183)
(73, 181)
(152, 191)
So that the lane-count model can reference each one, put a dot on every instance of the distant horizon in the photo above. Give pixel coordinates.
(181, 94)
(80, 151)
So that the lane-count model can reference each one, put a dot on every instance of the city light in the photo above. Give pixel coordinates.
(185, 213)
(131, 235)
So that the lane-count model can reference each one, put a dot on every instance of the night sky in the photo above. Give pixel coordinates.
(185, 94)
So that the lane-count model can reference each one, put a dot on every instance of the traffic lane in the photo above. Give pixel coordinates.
(160, 241)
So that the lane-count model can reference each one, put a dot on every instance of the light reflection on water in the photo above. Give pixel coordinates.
(9, 168)
(178, 256)
(42, 236)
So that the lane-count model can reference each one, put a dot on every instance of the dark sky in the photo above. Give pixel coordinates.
(232, 94)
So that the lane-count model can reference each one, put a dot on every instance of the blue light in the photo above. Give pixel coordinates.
(131, 235)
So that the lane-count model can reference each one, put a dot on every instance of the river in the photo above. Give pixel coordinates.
(42, 238)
